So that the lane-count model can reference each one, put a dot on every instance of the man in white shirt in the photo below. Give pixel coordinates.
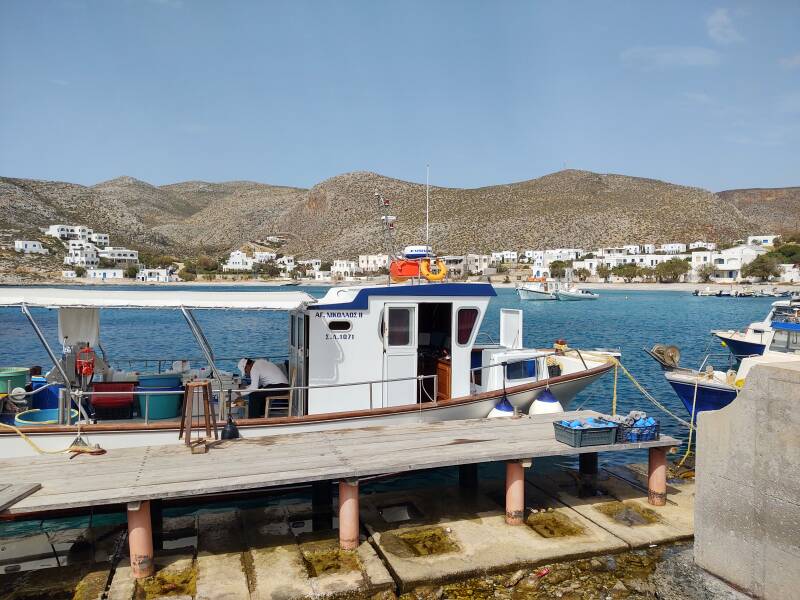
(263, 375)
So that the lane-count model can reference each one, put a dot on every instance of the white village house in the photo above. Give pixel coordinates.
(155, 276)
(104, 274)
(238, 261)
(372, 262)
(29, 247)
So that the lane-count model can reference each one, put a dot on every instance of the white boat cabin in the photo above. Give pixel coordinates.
(417, 339)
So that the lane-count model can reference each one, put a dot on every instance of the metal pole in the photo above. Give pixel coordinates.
(206, 349)
(427, 204)
(49, 350)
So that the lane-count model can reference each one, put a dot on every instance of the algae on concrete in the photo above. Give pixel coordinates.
(629, 513)
(419, 541)
(551, 524)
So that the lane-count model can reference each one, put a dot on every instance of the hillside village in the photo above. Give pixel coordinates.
(89, 255)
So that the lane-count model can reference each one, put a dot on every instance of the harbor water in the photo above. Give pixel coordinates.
(627, 320)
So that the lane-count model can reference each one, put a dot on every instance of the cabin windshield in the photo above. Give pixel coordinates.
(785, 341)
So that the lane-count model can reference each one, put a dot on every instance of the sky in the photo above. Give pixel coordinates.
(291, 93)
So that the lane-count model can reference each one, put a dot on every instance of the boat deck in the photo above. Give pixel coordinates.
(172, 471)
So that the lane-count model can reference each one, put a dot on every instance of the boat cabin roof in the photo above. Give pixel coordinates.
(337, 298)
(48, 297)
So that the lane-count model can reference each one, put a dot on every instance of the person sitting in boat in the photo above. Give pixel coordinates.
(263, 375)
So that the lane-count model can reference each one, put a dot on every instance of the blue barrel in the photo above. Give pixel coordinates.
(160, 380)
(47, 398)
(162, 405)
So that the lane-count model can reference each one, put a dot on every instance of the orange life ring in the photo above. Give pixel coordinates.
(425, 270)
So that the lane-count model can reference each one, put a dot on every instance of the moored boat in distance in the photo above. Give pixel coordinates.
(539, 288)
(574, 293)
(359, 356)
(757, 336)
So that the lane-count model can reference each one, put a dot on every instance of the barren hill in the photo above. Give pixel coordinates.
(773, 210)
(339, 217)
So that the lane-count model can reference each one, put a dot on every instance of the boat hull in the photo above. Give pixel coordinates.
(535, 295)
(710, 396)
(575, 297)
(741, 348)
(111, 436)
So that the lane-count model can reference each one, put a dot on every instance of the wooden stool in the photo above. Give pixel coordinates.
(200, 389)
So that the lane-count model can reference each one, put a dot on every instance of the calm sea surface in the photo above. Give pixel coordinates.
(628, 320)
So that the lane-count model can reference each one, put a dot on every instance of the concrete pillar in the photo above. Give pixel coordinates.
(515, 493)
(321, 505)
(140, 539)
(657, 477)
(348, 514)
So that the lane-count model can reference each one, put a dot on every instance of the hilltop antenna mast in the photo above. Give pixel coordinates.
(388, 224)
(427, 205)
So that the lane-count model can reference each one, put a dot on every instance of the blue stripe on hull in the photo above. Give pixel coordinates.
(741, 349)
(708, 398)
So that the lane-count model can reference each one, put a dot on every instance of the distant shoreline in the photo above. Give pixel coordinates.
(640, 287)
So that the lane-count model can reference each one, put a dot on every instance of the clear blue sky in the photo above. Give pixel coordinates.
(694, 92)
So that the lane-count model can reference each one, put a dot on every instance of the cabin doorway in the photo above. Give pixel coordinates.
(298, 363)
(435, 350)
(399, 354)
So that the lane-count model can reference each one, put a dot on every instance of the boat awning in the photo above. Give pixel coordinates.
(158, 299)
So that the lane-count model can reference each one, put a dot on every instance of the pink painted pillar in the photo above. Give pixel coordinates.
(657, 477)
(348, 514)
(140, 539)
(515, 493)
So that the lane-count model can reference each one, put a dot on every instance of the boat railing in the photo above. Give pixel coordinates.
(78, 396)
(727, 356)
(161, 363)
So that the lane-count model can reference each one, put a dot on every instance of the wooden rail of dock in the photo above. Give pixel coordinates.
(135, 476)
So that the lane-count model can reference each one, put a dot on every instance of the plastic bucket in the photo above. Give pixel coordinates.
(162, 405)
(41, 417)
(160, 380)
(13, 377)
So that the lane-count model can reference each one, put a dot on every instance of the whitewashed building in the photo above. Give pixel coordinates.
(648, 248)
(790, 273)
(373, 262)
(322, 275)
(103, 274)
(673, 248)
(632, 248)
(68, 274)
(155, 276)
(478, 264)
(455, 265)
(700, 244)
(264, 256)
(761, 240)
(727, 263)
(286, 263)
(81, 254)
(311, 264)
(69, 232)
(119, 255)
(238, 261)
(101, 240)
(29, 247)
(505, 256)
(344, 268)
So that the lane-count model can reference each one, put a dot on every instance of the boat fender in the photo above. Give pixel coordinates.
(425, 270)
(502, 409)
(545, 404)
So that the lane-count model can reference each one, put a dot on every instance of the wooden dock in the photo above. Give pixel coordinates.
(134, 476)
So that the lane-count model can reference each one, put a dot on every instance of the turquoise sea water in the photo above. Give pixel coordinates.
(628, 320)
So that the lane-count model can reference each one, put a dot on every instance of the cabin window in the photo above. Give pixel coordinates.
(399, 326)
(785, 341)
(292, 331)
(339, 325)
(523, 369)
(466, 321)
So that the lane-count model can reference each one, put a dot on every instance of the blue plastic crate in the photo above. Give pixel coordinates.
(587, 436)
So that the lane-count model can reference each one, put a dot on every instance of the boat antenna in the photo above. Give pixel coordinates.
(427, 205)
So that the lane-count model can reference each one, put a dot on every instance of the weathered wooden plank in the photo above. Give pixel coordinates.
(12, 493)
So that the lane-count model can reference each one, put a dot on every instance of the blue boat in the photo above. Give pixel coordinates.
(755, 339)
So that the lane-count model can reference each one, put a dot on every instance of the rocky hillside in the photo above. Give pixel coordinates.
(339, 217)
(774, 210)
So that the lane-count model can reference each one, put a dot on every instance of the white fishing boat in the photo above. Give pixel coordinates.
(571, 294)
(359, 356)
(538, 289)
(757, 336)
